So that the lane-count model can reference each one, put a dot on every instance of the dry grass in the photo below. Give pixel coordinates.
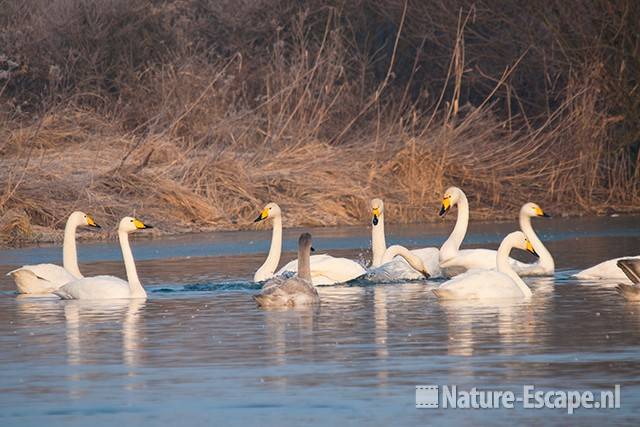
(299, 110)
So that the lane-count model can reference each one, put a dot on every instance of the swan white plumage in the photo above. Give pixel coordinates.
(325, 269)
(397, 262)
(46, 278)
(491, 284)
(605, 270)
(110, 287)
(545, 266)
(454, 260)
(294, 291)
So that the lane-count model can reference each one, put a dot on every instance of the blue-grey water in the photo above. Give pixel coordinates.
(199, 352)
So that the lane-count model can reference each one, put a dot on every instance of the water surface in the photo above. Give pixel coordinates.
(198, 351)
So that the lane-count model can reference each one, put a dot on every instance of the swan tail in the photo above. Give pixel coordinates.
(630, 292)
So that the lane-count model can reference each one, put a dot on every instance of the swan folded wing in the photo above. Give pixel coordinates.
(474, 259)
(478, 284)
(292, 266)
(98, 287)
(336, 270)
(52, 273)
(327, 270)
(533, 269)
(605, 270)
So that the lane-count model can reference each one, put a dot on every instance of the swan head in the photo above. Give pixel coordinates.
(271, 210)
(532, 210)
(83, 219)
(519, 241)
(377, 210)
(450, 198)
(129, 224)
(304, 243)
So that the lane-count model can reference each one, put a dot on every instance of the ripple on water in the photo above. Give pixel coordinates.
(198, 350)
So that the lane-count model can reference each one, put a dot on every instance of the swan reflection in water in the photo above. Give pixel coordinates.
(477, 325)
(86, 325)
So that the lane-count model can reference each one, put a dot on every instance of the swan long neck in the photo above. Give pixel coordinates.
(69, 251)
(304, 263)
(503, 266)
(450, 248)
(414, 261)
(545, 260)
(137, 291)
(267, 269)
(378, 242)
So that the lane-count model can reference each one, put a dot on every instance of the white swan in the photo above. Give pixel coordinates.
(397, 262)
(605, 270)
(294, 291)
(325, 269)
(46, 278)
(454, 260)
(111, 287)
(545, 266)
(501, 283)
(631, 268)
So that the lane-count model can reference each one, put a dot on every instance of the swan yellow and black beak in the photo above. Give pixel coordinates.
(446, 205)
(376, 215)
(91, 222)
(141, 225)
(542, 213)
(263, 215)
(530, 249)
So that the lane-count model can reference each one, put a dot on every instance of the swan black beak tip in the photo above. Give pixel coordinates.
(148, 226)
(443, 212)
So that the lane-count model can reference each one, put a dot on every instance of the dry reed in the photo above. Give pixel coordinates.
(195, 124)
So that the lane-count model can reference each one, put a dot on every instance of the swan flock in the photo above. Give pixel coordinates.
(473, 273)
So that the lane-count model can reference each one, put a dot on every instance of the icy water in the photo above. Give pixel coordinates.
(199, 352)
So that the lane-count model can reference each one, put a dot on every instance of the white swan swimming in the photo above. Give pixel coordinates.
(46, 278)
(501, 283)
(325, 269)
(631, 268)
(545, 266)
(605, 270)
(294, 291)
(110, 287)
(454, 260)
(397, 262)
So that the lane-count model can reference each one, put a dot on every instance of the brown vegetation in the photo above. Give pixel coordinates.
(194, 113)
